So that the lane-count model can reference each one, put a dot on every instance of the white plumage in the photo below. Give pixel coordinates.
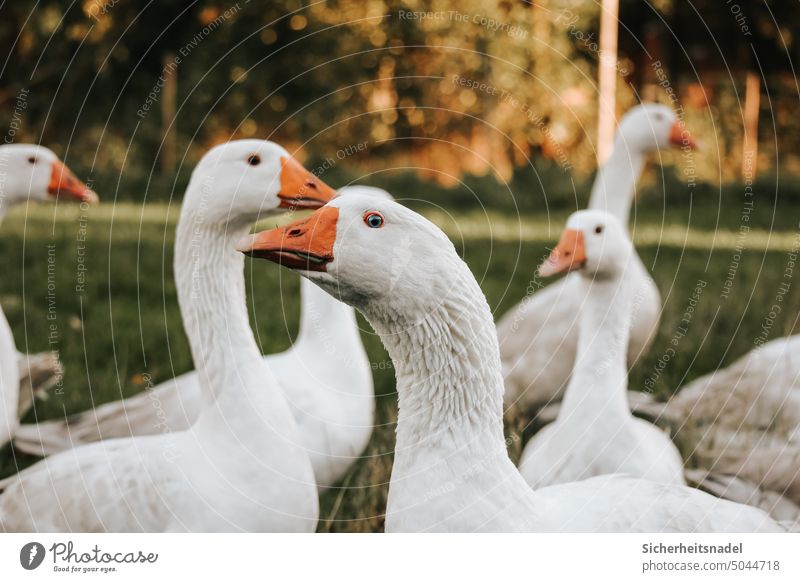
(451, 470)
(325, 376)
(242, 465)
(742, 421)
(538, 337)
(595, 432)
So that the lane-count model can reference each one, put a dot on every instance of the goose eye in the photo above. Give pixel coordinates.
(373, 219)
(254, 160)
(31, 160)
(598, 229)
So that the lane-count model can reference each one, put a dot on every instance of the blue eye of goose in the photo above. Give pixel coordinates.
(373, 219)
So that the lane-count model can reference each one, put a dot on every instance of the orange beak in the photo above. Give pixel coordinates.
(300, 189)
(680, 137)
(63, 183)
(569, 254)
(304, 244)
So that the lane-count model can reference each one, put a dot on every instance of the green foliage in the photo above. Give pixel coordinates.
(321, 76)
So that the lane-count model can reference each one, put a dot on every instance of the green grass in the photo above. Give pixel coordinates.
(125, 322)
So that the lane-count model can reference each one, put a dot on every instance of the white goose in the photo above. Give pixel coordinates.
(325, 375)
(539, 336)
(242, 465)
(451, 469)
(29, 172)
(595, 432)
(743, 424)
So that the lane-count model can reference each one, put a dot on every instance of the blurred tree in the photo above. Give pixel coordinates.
(443, 86)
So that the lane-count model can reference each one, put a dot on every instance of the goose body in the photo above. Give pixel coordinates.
(242, 465)
(30, 172)
(733, 488)
(196, 480)
(325, 376)
(9, 382)
(742, 421)
(539, 336)
(635, 449)
(595, 432)
(451, 470)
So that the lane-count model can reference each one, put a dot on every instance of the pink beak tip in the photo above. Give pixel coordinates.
(246, 243)
(545, 269)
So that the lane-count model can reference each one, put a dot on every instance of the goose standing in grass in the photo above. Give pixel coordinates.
(539, 336)
(595, 432)
(242, 465)
(451, 468)
(29, 172)
(325, 375)
(741, 425)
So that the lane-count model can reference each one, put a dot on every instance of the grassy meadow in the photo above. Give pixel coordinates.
(98, 287)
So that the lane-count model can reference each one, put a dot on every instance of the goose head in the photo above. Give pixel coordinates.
(363, 250)
(32, 172)
(378, 193)
(594, 243)
(248, 179)
(651, 127)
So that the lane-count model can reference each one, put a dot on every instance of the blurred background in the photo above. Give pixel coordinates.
(490, 117)
(147, 88)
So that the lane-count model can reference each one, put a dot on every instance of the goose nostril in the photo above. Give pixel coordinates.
(294, 232)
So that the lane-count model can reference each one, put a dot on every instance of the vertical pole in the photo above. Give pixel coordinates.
(752, 103)
(168, 109)
(607, 115)
(646, 73)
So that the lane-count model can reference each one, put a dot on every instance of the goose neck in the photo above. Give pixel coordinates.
(614, 187)
(211, 294)
(599, 378)
(447, 365)
(325, 322)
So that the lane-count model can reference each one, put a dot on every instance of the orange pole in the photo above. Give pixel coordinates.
(752, 103)
(607, 114)
(169, 149)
